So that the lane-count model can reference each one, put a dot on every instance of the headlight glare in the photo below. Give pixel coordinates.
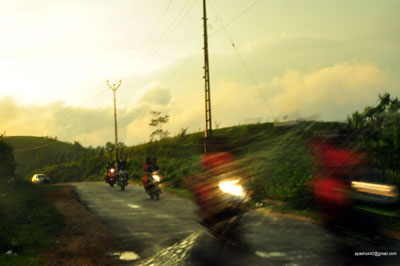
(232, 187)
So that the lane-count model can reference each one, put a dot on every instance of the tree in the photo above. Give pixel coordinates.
(183, 132)
(110, 146)
(158, 121)
(7, 161)
(378, 130)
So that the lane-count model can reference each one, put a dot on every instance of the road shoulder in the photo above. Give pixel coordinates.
(85, 240)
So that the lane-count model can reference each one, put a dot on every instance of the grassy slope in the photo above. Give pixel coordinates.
(28, 223)
(274, 154)
(34, 152)
(277, 160)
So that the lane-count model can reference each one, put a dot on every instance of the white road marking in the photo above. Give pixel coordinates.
(126, 255)
(129, 255)
(162, 216)
(172, 255)
(270, 255)
(140, 233)
(134, 206)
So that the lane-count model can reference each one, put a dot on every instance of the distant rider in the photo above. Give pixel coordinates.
(147, 167)
(110, 165)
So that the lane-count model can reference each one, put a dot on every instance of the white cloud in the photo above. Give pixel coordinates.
(261, 43)
(331, 92)
(156, 95)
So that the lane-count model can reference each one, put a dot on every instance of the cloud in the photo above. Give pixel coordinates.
(332, 92)
(155, 94)
(90, 126)
(261, 43)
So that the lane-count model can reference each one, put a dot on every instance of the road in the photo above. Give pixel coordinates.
(166, 232)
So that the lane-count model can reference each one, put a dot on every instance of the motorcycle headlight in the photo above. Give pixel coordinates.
(377, 189)
(232, 187)
(156, 177)
(112, 170)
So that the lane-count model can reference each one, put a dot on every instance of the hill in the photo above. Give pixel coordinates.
(35, 152)
(276, 158)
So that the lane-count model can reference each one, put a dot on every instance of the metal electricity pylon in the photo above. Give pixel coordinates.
(114, 87)
(208, 127)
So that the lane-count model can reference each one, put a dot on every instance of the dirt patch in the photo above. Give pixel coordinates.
(85, 240)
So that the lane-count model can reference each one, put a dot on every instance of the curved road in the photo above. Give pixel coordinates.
(166, 232)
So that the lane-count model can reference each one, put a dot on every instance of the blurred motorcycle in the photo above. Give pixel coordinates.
(152, 184)
(350, 194)
(222, 200)
(123, 179)
(111, 176)
(356, 204)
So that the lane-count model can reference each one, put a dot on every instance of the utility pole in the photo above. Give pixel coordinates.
(208, 127)
(114, 88)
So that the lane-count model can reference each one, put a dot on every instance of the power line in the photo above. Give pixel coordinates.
(172, 32)
(37, 147)
(236, 17)
(155, 27)
(66, 112)
(198, 47)
(241, 58)
(83, 103)
(159, 42)
(183, 63)
(253, 79)
(222, 28)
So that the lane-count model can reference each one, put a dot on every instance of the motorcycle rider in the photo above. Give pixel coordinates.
(151, 179)
(215, 162)
(110, 165)
(338, 166)
(147, 165)
(147, 170)
(154, 164)
(121, 164)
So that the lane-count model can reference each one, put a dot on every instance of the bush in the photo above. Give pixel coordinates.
(7, 161)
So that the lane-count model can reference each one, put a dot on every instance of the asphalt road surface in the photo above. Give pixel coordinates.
(166, 232)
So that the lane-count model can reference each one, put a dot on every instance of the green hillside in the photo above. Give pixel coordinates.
(276, 159)
(35, 152)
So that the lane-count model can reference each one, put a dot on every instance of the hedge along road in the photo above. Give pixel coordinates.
(166, 232)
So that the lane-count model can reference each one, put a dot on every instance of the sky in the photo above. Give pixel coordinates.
(269, 60)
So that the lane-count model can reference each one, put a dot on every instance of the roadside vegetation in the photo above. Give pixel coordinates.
(34, 152)
(276, 156)
(29, 222)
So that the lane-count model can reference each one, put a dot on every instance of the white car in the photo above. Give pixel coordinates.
(40, 178)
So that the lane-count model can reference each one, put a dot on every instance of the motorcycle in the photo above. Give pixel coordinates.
(350, 194)
(111, 176)
(357, 205)
(222, 207)
(123, 179)
(152, 184)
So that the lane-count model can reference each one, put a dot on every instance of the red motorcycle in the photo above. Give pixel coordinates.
(348, 191)
(221, 197)
(111, 176)
(152, 184)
